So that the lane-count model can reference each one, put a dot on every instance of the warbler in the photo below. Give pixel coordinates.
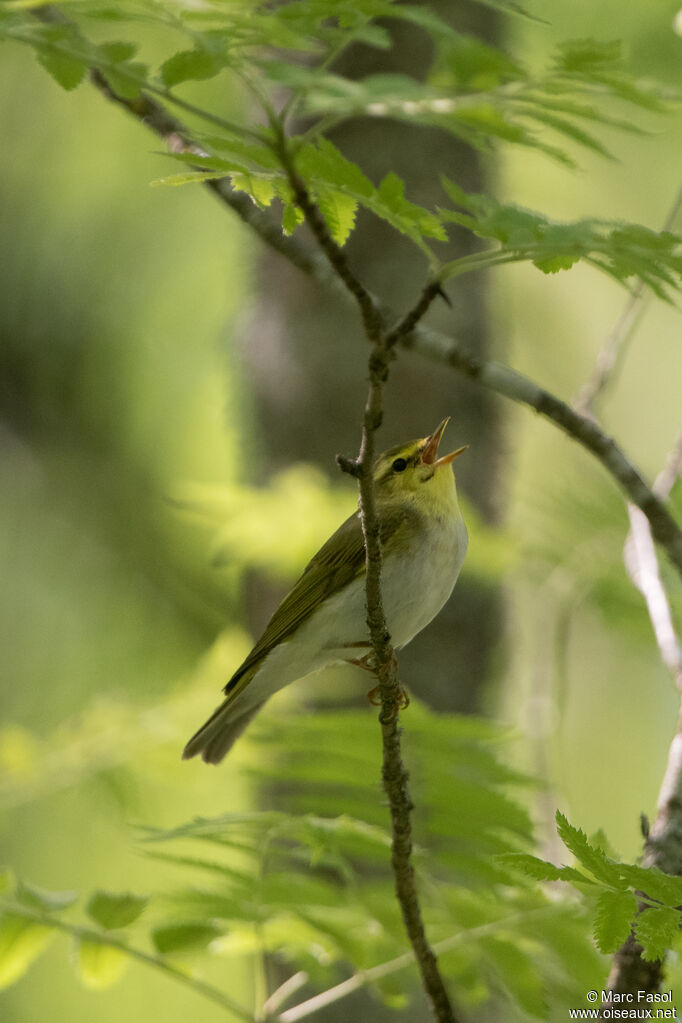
(322, 621)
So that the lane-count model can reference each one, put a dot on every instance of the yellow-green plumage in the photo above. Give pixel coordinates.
(322, 620)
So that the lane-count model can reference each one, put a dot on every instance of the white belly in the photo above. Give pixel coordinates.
(414, 588)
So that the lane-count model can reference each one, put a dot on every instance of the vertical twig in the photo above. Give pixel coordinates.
(630, 972)
(394, 773)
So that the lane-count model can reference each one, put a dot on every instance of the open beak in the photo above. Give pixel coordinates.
(430, 450)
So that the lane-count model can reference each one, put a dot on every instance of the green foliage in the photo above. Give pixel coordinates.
(97, 964)
(314, 889)
(621, 250)
(471, 89)
(112, 911)
(21, 942)
(626, 896)
(613, 919)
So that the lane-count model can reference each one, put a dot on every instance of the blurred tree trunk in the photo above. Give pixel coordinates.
(305, 358)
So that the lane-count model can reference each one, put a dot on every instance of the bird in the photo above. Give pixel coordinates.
(323, 620)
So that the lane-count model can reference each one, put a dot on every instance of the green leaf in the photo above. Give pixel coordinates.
(325, 162)
(474, 66)
(408, 218)
(587, 55)
(66, 70)
(292, 217)
(126, 77)
(541, 870)
(191, 178)
(260, 189)
(656, 931)
(118, 53)
(553, 264)
(191, 64)
(38, 898)
(193, 936)
(7, 880)
(111, 909)
(98, 965)
(21, 941)
(661, 887)
(338, 211)
(613, 919)
(593, 859)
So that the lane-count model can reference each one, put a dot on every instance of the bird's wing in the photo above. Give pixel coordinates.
(337, 563)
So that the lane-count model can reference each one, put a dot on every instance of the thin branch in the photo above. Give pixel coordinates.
(394, 773)
(630, 972)
(411, 319)
(498, 377)
(391, 966)
(613, 349)
(290, 986)
(369, 310)
(200, 987)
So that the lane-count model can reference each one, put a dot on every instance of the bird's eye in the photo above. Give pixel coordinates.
(400, 465)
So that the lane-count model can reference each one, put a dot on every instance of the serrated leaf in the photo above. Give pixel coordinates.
(613, 919)
(98, 965)
(38, 898)
(406, 216)
(260, 189)
(665, 888)
(112, 909)
(553, 264)
(193, 936)
(593, 859)
(541, 870)
(338, 211)
(191, 65)
(656, 931)
(66, 70)
(21, 942)
(324, 161)
(292, 217)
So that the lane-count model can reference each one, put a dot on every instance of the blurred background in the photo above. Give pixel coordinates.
(171, 401)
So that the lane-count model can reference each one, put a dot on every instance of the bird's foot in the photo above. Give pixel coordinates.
(402, 702)
(366, 662)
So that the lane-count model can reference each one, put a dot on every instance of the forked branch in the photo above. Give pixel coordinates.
(429, 343)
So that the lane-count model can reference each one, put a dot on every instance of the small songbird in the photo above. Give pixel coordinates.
(322, 621)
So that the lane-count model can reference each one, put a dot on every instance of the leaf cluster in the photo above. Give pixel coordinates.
(626, 897)
(30, 917)
(286, 56)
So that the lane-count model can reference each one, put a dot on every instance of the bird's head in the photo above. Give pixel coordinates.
(414, 472)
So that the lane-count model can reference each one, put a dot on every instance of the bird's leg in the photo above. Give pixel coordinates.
(402, 701)
(368, 663)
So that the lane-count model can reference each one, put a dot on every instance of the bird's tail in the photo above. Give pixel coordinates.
(215, 738)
